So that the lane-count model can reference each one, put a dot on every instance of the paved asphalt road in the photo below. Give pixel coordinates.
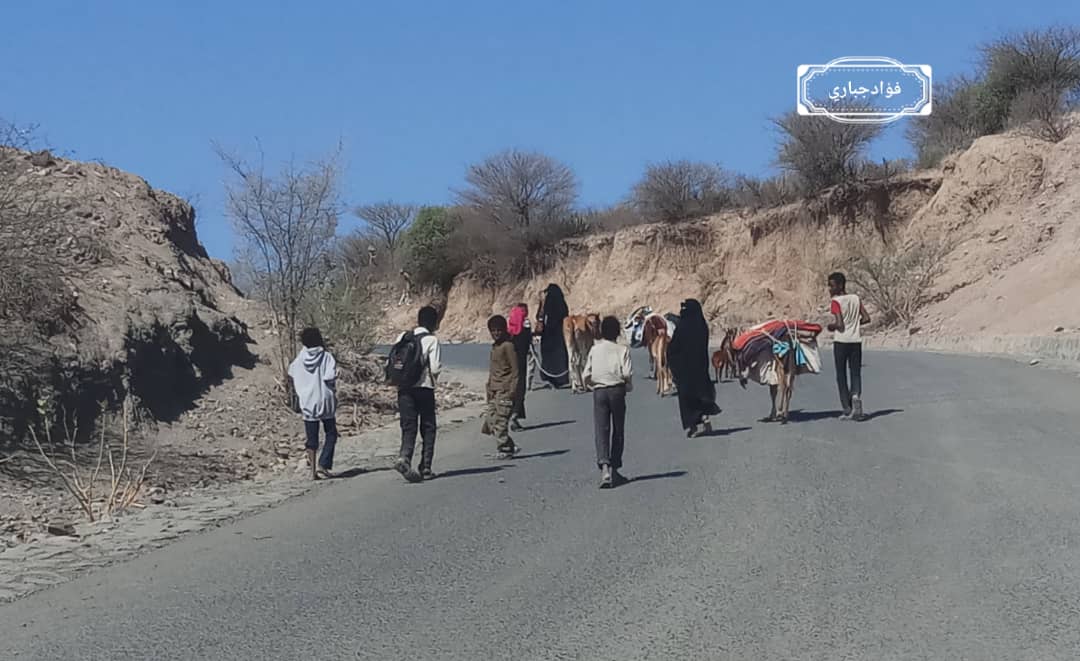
(947, 527)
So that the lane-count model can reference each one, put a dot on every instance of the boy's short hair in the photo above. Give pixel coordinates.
(838, 278)
(427, 317)
(498, 322)
(311, 338)
(610, 328)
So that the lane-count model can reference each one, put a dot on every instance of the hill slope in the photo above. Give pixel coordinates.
(1004, 208)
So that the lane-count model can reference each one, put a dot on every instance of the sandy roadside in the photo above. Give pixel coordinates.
(48, 560)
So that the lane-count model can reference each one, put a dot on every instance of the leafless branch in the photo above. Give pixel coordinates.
(286, 221)
(518, 189)
(388, 220)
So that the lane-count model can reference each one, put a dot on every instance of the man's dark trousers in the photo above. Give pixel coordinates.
(848, 356)
(417, 409)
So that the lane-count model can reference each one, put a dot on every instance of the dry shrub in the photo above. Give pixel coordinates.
(754, 193)
(821, 152)
(36, 303)
(898, 281)
(1030, 76)
(126, 475)
(959, 118)
(613, 218)
(494, 254)
(680, 190)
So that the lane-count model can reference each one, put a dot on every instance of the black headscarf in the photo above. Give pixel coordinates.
(688, 356)
(554, 359)
(555, 308)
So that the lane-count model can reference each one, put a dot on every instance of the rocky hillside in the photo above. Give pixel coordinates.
(149, 314)
(1004, 210)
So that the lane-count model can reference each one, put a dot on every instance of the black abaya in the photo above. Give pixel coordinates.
(688, 356)
(554, 361)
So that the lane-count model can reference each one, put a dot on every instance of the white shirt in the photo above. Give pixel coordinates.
(432, 357)
(608, 365)
(849, 307)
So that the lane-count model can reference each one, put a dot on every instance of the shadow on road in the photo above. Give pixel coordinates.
(724, 432)
(881, 414)
(656, 476)
(479, 470)
(547, 425)
(799, 415)
(353, 472)
(534, 455)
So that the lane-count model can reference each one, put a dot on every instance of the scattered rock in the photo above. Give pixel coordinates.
(42, 159)
(1059, 329)
(61, 529)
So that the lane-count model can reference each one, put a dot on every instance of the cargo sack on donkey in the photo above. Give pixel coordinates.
(758, 345)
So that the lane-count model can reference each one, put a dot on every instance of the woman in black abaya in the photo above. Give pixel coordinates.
(554, 361)
(688, 357)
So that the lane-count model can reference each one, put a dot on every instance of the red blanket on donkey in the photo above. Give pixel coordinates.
(774, 326)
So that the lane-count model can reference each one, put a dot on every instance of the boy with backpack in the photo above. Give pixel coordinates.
(501, 387)
(314, 377)
(413, 366)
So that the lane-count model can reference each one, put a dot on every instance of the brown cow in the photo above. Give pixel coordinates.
(656, 338)
(580, 331)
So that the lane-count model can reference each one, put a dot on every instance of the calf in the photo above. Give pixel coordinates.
(580, 331)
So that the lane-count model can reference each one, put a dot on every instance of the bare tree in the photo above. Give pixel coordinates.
(286, 223)
(388, 220)
(820, 151)
(519, 189)
(679, 190)
(1030, 77)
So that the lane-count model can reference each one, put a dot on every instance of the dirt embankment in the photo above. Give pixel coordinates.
(1005, 208)
(156, 320)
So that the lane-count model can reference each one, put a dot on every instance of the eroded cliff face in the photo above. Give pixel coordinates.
(742, 266)
(1005, 209)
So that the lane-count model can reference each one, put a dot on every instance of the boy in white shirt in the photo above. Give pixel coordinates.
(609, 372)
(849, 315)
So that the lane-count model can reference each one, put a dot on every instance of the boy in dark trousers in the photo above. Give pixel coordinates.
(501, 387)
(848, 317)
(314, 376)
(609, 373)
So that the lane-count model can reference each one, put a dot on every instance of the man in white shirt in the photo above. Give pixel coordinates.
(848, 316)
(416, 403)
(609, 372)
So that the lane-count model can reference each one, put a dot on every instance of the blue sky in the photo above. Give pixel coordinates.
(417, 90)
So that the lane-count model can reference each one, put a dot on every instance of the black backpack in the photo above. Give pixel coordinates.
(405, 364)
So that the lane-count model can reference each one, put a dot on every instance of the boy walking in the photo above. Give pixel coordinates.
(609, 372)
(314, 376)
(501, 387)
(848, 317)
(415, 363)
